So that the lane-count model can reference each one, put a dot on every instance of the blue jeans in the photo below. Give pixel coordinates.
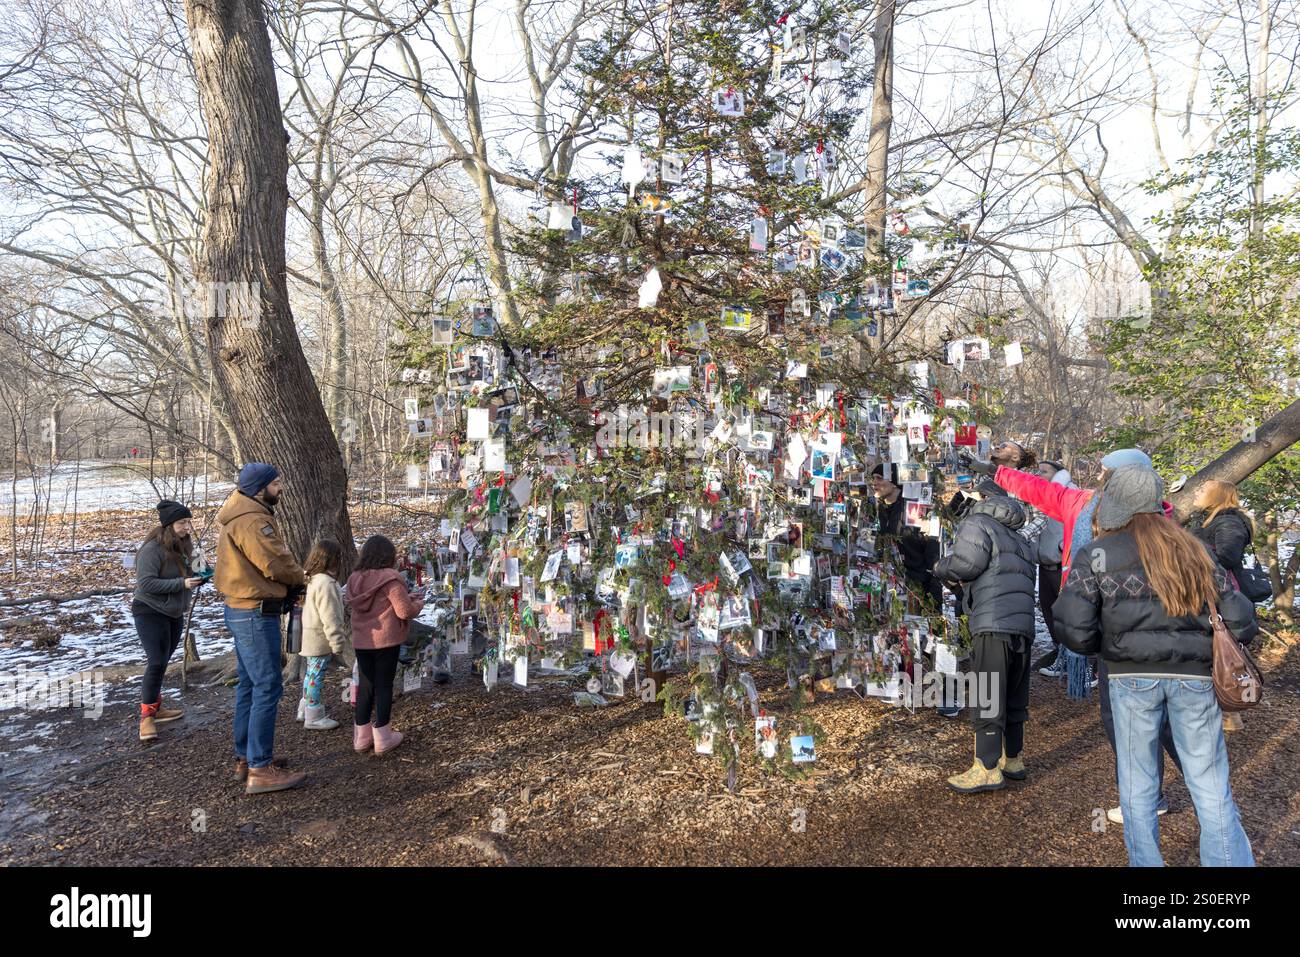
(257, 649)
(1140, 706)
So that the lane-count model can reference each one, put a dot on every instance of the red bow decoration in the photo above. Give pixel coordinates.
(672, 567)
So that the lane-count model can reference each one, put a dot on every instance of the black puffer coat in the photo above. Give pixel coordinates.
(1108, 607)
(997, 565)
(1227, 534)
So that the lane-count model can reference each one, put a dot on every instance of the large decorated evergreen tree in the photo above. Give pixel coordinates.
(667, 466)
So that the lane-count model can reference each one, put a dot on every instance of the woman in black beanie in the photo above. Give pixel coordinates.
(163, 582)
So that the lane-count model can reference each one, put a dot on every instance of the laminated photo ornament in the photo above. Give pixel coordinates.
(728, 101)
(654, 203)
(671, 169)
(648, 294)
(737, 318)
(633, 172)
(560, 216)
(799, 302)
(794, 45)
(799, 167)
(482, 322)
(443, 331)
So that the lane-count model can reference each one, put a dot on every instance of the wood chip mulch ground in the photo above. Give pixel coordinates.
(525, 778)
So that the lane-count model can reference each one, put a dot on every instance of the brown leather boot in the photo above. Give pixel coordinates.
(270, 778)
(165, 714)
(241, 767)
(148, 728)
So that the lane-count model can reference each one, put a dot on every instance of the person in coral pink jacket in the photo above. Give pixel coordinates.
(382, 609)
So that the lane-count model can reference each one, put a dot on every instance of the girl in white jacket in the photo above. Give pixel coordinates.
(324, 630)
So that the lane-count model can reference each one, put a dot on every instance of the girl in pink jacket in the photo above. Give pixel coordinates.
(382, 610)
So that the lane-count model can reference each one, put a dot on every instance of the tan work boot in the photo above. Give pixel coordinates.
(165, 714)
(978, 778)
(1232, 722)
(241, 767)
(270, 778)
(148, 728)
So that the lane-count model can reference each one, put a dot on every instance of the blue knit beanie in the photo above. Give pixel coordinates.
(256, 476)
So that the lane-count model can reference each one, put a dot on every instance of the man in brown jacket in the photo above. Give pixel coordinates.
(259, 579)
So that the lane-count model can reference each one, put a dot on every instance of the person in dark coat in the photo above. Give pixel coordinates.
(996, 567)
(1222, 525)
(1227, 531)
(1140, 596)
(164, 583)
(919, 551)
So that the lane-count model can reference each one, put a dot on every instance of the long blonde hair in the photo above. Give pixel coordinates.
(1220, 495)
(1177, 565)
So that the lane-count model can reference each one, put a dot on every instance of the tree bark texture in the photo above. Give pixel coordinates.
(273, 401)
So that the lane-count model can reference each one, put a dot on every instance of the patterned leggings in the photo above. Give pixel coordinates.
(313, 680)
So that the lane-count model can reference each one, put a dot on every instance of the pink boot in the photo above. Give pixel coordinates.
(362, 737)
(386, 739)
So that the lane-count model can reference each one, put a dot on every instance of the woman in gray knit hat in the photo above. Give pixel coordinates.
(1140, 595)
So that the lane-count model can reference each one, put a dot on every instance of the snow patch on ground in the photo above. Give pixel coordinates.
(95, 486)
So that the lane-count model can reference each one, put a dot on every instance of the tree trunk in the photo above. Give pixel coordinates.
(1273, 437)
(1281, 577)
(336, 335)
(258, 363)
(882, 120)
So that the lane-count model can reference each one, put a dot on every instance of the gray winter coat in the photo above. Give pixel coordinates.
(997, 567)
(159, 583)
(1051, 540)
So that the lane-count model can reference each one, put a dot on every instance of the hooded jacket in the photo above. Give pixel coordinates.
(381, 608)
(1051, 540)
(1116, 613)
(253, 563)
(1228, 534)
(997, 565)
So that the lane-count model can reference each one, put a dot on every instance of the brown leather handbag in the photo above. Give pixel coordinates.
(1237, 682)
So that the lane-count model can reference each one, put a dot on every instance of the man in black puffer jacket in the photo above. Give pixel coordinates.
(996, 566)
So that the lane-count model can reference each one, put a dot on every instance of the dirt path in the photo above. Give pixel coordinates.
(510, 777)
